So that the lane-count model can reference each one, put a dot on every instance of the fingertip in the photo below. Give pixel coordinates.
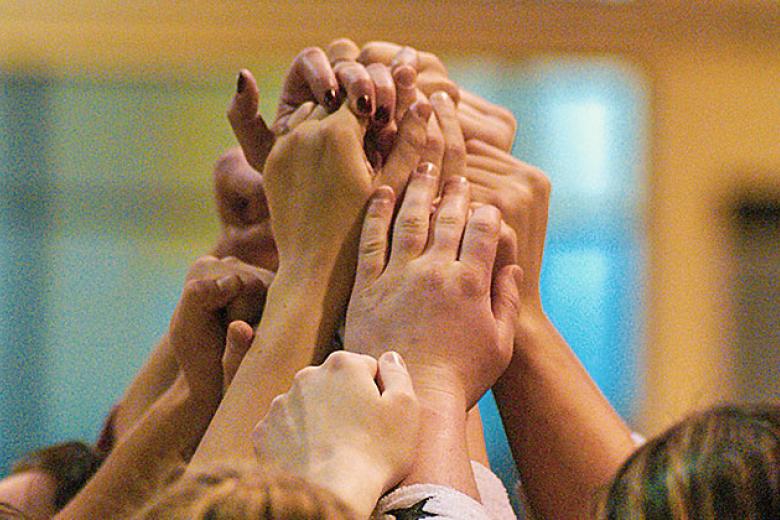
(422, 109)
(392, 358)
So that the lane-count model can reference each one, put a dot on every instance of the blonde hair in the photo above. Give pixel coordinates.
(721, 463)
(244, 494)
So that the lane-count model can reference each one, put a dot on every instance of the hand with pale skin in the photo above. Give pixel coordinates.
(436, 302)
(478, 118)
(318, 173)
(349, 425)
(317, 181)
(316, 77)
(217, 292)
(164, 438)
(243, 212)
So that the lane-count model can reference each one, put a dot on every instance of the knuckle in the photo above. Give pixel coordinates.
(484, 223)
(338, 360)
(411, 225)
(431, 279)
(449, 220)
(472, 283)
(371, 245)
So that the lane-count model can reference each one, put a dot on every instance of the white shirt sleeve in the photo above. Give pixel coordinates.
(420, 501)
(493, 494)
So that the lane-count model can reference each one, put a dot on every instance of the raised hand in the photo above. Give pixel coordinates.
(434, 300)
(479, 118)
(349, 425)
(216, 293)
(243, 212)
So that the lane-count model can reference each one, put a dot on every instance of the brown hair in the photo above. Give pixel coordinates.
(237, 494)
(721, 463)
(70, 464)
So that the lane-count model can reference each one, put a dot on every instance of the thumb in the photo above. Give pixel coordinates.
(506, 304)
(238, 187)
(393, 378)
(239, 339)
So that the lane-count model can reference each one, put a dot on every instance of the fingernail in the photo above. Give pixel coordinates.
(395, 358)
(405, 77)
(240, 82)
(364, 104)
(423, 110)
(441, 96)
(227, 282)
(382, 115)
(427, 169)
(383, 195)
(331, 99)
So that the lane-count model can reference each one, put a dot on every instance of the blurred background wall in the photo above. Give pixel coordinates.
(658, 122)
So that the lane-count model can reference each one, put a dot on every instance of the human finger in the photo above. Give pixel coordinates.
(237, 344)
(480, 239)
(300, 115)
(409, 142)
(454, 155)
(405, 79)
(481, 105)
(342, 49)
(249, 127)
(486, 129)
(372, 251)
(238, 190)
(385, 95)
(393, 378)
(310, 77)
(433, 151)
(410, 231)
(378, 52)
(505, 303)
(449, 220)
(359, 87)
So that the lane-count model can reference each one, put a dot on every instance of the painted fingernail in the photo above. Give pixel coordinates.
(382, 115)
(331, 99)
(240, 82)
(364, 104)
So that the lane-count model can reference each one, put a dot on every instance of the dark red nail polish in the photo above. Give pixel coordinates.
(364, 104)
(240, 82)
(382, 115)
(331, 101)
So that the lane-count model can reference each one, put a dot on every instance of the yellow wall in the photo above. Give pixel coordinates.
(717, 130)
(713, 68)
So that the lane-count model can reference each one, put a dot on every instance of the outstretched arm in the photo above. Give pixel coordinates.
(349, 425)
(317, 176)
(566, 438)
(167, 434)
(457, 322)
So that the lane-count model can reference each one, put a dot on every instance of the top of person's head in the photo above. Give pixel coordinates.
(70, 464)
(233, 493)
(43, 481)
(720, 463)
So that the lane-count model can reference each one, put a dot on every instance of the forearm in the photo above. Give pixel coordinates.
(442, 453)
(566, 438)
(152, 380)
(296, 318)
(158, 444)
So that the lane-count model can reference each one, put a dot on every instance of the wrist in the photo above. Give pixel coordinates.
(356, 481)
